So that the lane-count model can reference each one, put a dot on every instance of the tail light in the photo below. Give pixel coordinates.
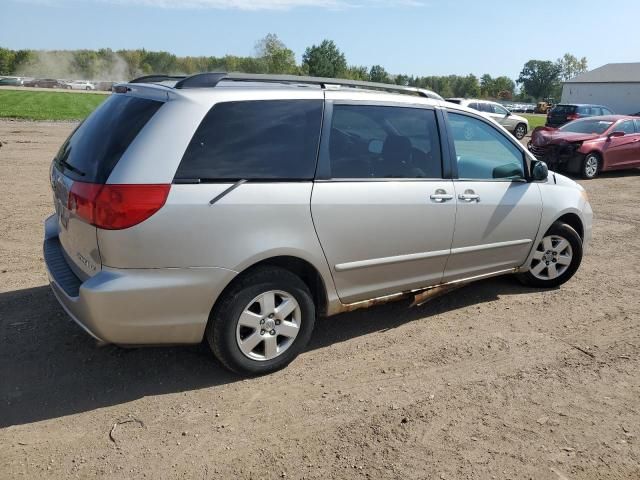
(115, 207)
(573, 116)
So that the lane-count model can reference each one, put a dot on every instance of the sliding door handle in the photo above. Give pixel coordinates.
(469, 196)
(440, 196)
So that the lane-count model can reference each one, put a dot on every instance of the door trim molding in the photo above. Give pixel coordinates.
(489, 246)
(375, 262)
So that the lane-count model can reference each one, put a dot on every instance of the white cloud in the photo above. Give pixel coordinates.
(246, 4)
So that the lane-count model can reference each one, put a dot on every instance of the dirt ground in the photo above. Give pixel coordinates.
(493, 381)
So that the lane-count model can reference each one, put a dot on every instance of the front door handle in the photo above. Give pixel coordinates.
(469, 196)
(440, 196)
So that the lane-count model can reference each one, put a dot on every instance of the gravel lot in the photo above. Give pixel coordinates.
(492, 381)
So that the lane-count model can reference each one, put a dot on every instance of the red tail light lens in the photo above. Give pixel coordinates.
(573, 116)
(115, 207)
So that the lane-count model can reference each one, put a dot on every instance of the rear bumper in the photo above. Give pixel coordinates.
(135, 306)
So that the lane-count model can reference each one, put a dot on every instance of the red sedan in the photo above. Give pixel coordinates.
(590, 145)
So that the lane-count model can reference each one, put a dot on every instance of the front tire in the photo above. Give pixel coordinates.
(520, 131)
(262, 323)
(556, 258)
(590, 166)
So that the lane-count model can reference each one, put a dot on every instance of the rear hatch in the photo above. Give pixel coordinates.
(561, 114)
(80, 171)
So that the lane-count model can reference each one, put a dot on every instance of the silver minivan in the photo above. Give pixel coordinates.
(237, 209)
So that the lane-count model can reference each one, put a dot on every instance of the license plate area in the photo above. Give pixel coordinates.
(61, 186)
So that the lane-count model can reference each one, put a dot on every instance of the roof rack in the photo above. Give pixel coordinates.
(211, 79)
(156, 78)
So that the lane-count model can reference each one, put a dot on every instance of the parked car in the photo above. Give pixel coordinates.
(565, 112)
(45, 83)
(591, 145)
(514, 123)
(11, 81)
(80, 85)
(105, 86)
(214, 209)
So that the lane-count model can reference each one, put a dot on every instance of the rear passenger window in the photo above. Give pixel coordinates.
(272, 139)
(482, 152)
(369, 141)
(95, 147)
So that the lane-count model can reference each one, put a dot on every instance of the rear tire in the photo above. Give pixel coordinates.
(556, 258)
(591, 166)
(262, 323)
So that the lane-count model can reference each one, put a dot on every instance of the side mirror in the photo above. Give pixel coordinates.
(540, 171)
(616, 134)
(508, 114)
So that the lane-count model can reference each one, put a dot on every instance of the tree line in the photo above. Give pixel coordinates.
(538, 79)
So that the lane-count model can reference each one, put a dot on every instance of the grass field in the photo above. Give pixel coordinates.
(48, 105)
(535, 120)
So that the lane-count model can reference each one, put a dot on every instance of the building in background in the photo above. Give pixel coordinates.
(614, 85)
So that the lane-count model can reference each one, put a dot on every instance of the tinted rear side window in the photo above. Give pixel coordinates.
(563, 110)
(95, 147)
(266, 139)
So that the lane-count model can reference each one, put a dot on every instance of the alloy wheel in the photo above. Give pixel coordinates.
(591, 166)
(552, 258)
(269, 325)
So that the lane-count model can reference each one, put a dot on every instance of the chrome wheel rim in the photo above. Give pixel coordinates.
(591, 166)
(268, 326)
(552, 258)
(520, 131)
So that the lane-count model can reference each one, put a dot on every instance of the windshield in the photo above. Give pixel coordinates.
(587, 126)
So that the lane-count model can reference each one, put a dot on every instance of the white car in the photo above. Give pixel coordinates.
(80, 85)
(516, 124)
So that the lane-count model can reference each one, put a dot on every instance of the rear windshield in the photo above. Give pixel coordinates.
(259, 140)
(563, 109)
(95, 147)
(586, 126)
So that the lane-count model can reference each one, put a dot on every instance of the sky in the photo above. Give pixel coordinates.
(415, 37)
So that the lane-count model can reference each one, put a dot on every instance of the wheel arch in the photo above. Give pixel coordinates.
(574, 221)
(306, 271)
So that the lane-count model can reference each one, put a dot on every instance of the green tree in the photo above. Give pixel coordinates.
(324, 60)
(357, 72)
(402, 80)
(466, 86)
(540, 78)
(570, 66)
(276, 56)
(7, 61)
(378, 74)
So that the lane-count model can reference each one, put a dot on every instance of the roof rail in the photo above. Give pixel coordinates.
(211, 79)
(156, 78)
